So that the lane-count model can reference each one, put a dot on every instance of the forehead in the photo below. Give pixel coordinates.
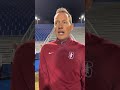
(61, 15)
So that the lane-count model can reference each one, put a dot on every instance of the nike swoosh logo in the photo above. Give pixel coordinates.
(50, 52)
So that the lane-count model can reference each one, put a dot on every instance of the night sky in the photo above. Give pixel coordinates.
(45, 9)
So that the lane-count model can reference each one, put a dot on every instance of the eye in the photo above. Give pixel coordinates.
(64, 22)
(56, 22)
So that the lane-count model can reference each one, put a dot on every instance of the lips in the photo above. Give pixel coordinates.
(61, 32)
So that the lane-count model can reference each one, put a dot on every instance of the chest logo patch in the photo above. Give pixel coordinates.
(71, 55)
(89, 70)
(50, 53)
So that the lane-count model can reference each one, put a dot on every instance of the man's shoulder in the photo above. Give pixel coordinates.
(49, 44)
(101, 44)
(99, 41)
(107, 45)
(78, 44)
(27, 50)
(27, 45)
(110, 47)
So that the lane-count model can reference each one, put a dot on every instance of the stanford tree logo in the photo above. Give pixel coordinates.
(88, 69)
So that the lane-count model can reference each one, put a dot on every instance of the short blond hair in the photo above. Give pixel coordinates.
(64, 10)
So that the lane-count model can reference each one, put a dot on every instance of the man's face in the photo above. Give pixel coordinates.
(62, 26)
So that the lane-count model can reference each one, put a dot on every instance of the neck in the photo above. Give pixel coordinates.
(62, 40)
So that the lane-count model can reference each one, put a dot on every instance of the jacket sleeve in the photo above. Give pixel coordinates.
(43, 72)
(116, 73)
(23, 68)
(83, 69)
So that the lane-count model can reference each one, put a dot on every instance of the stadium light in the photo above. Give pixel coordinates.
(82, 17)
(37, 19)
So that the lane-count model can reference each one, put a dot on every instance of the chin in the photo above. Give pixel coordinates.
(62, 38)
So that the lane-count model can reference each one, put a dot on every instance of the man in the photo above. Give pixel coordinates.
(102, 62)
(62, 62)
(23, 75)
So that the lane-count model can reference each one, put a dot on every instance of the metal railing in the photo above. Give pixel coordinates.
(29, 33)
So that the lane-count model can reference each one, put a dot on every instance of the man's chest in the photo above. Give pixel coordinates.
(63, 57)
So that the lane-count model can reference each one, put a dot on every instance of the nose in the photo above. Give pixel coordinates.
(60, 26)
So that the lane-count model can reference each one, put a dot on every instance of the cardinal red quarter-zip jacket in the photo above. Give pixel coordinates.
(62, 66)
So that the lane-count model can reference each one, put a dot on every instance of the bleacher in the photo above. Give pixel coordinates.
(15, 18)
(104, 20)
(79, 34)
(42, 31)
(6, 59)
(79, 24)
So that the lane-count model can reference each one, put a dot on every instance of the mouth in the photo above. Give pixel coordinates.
(61, 32)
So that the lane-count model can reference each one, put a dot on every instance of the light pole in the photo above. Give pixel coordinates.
(82, 18)
(37, 19)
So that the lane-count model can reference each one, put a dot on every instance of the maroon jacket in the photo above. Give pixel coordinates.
(62, 66)
(102, 64)
(23, 77)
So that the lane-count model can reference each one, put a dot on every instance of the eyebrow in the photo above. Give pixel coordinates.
(56, 21)
(59, 20)
(64, 20)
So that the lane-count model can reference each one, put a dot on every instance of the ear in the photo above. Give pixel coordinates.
(72, 26)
